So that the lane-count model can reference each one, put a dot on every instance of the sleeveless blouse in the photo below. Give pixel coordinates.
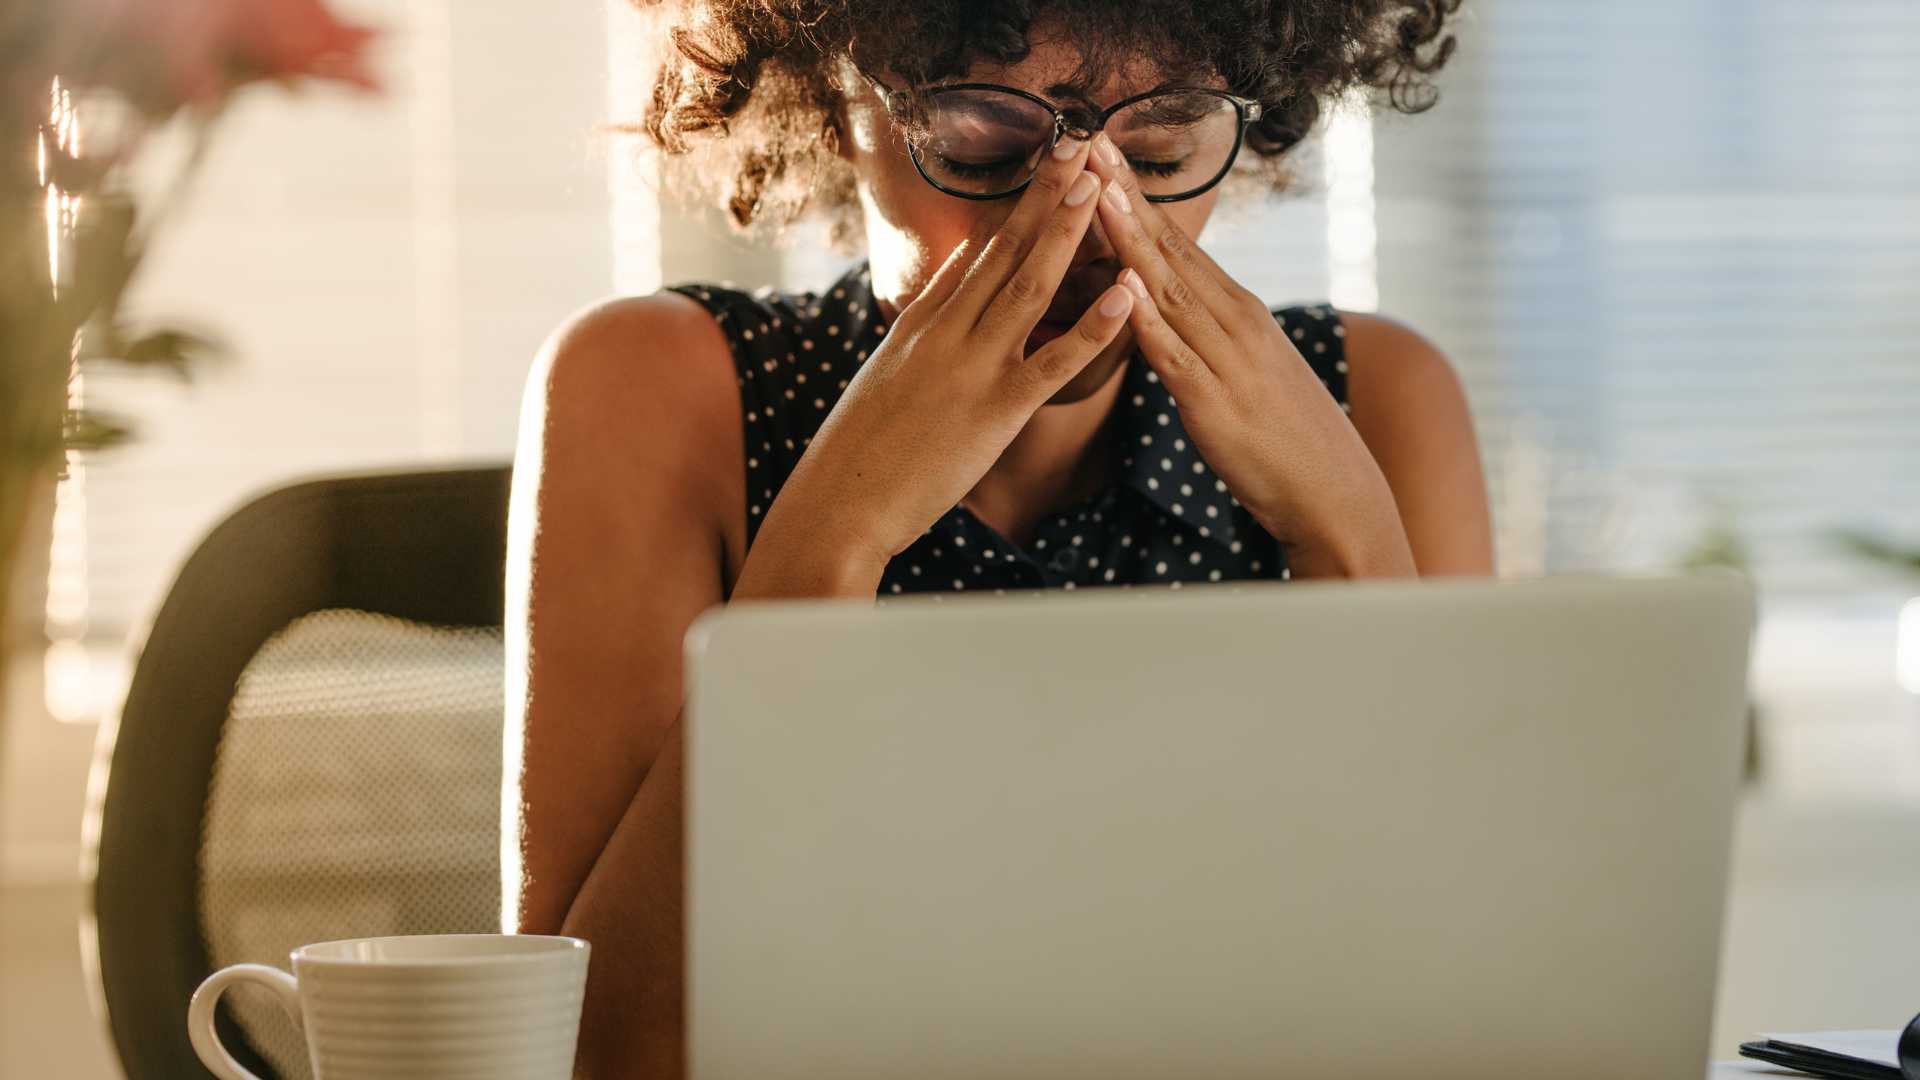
(1167, 519)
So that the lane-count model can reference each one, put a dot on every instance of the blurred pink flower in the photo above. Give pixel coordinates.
(166, 53)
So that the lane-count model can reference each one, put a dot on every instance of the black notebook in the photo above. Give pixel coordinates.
(1843, 1055)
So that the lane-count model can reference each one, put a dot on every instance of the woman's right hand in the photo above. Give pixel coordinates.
(941, 398)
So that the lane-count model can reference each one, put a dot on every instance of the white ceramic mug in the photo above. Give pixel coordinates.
(444, 1006)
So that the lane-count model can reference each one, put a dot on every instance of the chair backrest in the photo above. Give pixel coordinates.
(309, 750)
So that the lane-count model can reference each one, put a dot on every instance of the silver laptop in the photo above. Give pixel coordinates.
(1322, 829)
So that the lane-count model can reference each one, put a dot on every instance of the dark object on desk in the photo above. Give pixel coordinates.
(1817, 1061)
(309, 749)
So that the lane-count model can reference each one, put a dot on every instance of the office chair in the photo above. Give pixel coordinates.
(309, 750)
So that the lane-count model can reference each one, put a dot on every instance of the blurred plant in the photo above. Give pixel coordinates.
(84, 85)
(1720, 546)
(1719, 543)
(1878, 549)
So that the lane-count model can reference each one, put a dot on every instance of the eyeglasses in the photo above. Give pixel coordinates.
(985, 141)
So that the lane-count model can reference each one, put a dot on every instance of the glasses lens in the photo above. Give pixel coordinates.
(1176, 142)
(982, 142)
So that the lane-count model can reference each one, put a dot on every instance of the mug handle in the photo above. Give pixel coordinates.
(200, 1029)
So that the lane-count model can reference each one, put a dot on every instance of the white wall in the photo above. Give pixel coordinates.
(384, 269)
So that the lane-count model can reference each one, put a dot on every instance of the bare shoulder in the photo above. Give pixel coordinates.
(1410, 407)
(632, 366)
(1390, 363)
(629, 387)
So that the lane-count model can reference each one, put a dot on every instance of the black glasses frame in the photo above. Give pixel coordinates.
(899, 104)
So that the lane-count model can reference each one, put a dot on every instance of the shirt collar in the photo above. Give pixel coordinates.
(1158, 458)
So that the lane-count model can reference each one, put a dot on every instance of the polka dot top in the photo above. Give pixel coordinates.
(1165, 520)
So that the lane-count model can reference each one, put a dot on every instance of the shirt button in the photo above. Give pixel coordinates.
(1065, 561)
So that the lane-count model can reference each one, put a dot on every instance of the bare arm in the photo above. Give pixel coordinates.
(617, 540)
(626, 516)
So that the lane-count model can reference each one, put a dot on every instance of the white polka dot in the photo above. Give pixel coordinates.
(1146, 440)
(1161, 419)
(1126, 541)
(1213, 511)
(1255, 565)
(1166, 464)
(959, 541)
(1213, 575)
(1234, 547)
(1076, 541)
(1194, 559)
(1286, 573)
(1153, 483)
(1093, 563)
(1177, 510)
(1153, 376)
(1179, 444)
(1040, 543)
(1186, 489)
(915, 570)
(1108, 575)
(896, 586)
(1219, 485)
(986, 555)
(1340, 366)
(958, 584)
(1139, 400)
(1160, 568)
(1198, 468)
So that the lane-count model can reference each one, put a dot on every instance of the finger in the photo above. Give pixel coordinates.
(1186, 373)
(1015, 237)
(1196, 296)
(946, 278)
(1054, 364)
(1030, 291)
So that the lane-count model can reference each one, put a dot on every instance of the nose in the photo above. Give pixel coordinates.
(1094, 245)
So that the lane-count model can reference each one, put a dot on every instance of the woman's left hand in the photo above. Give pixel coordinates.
(1256, 410)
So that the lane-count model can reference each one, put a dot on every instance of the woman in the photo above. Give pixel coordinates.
(987, 400)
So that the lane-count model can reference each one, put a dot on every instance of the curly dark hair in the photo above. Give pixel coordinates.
(752, 83)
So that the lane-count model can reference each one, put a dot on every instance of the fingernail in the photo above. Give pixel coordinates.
(1065, 149)
(1108, 150)
(1082, 189)
(1117, 198)
(1116, 303)
(1132, 281)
